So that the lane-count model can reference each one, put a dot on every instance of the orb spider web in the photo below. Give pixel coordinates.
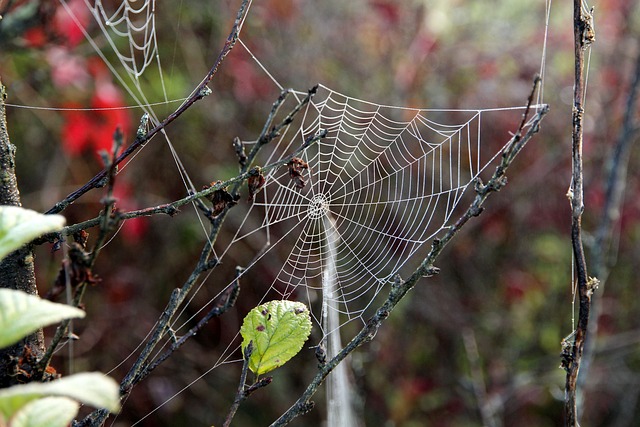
(383, 182)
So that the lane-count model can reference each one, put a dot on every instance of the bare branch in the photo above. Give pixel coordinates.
(200, 92)
(84, 262)
(616, 180)
(143, 364)
(240, 395)
(584, 35)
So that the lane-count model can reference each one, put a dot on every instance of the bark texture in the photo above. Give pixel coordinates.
(16, 270)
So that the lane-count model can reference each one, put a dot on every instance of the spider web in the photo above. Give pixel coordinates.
(381, 185)
(137, 26)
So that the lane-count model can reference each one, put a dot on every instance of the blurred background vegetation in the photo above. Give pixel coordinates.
(483, 337)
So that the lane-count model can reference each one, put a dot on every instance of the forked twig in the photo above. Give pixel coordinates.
(108, 221)
(144, 364)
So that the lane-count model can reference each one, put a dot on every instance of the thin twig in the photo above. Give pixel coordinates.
(426, 269)
(172, 208)
(178, 296)
(572, 349)
(240, 394)
(616, 181)
(267, 135)
(218, 310)
(200, 92)
(108, 222)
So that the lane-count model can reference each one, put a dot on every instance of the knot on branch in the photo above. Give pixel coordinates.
(397, 282)
(306, 407)
(374, 324)
(495, 184)
(431, 271)
(172, 211)
(321, 355)
(205, 91)
(436, 245)
(566, 355)
(475, 210)
(212, 263)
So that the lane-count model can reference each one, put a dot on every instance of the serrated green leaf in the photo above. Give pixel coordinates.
(22, 314)
(278, 330)
(19, 226)
(91, 388)
(46, 412)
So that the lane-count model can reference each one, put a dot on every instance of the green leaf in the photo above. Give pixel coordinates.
(22, 314)
(46, 412)
(91, 388)
(19, 226)
(278, 330)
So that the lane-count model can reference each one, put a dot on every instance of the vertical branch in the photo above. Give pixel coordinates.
(16, 270)
(572, 354)
(616, 176)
